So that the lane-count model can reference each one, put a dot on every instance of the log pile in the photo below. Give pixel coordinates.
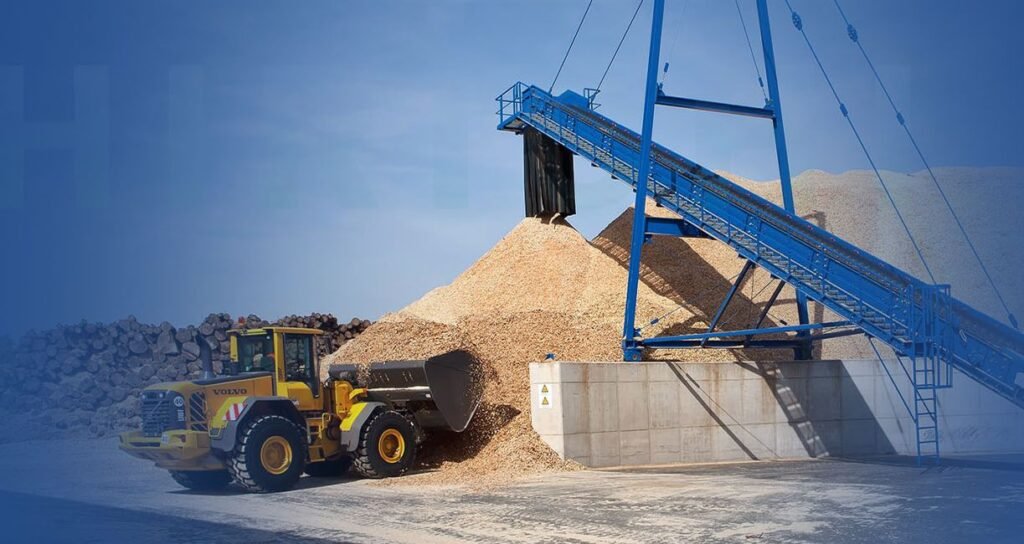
(335, 334)
(85, 379)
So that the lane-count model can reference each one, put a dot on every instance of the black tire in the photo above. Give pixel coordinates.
(335, 468)
(202, 480)
(275, 468)
(370, 460)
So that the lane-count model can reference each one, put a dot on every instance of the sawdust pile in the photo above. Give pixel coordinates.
(545, 289)
(542, 289)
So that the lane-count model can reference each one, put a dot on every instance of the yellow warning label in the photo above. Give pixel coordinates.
(545, 396)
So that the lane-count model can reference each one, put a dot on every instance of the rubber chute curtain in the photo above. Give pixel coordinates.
(548, 176)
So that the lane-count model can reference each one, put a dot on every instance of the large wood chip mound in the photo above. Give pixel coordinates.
(544, 288)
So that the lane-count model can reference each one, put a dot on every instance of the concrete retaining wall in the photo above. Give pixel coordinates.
(617, 414)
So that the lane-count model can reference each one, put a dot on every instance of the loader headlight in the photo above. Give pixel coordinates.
(167, 438)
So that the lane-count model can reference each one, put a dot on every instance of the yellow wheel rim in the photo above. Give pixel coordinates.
(391, 446)
(276, 455)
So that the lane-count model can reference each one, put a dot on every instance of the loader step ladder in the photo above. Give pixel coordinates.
(918, 320)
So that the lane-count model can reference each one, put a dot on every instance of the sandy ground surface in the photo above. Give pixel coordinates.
(87, 491)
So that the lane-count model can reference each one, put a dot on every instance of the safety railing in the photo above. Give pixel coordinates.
(509, 103)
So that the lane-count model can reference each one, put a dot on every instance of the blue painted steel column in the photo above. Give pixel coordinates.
(630, 350)
(780, 146)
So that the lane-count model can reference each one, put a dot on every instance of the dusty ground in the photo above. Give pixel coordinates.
(87, 491)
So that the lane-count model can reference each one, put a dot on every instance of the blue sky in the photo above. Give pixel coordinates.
(171, 159)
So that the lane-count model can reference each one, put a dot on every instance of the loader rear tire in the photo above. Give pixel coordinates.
(387, 446)
(270, 455)
(202, 480)
(329, 469)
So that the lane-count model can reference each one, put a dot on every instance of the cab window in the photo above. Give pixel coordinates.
(256, 353)
(298, 359)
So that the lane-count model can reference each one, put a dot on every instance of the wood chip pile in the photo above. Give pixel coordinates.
(545, 289)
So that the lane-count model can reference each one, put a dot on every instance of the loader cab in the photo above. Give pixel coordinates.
(289, 354)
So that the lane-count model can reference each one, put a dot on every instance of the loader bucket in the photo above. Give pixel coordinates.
(442, 392)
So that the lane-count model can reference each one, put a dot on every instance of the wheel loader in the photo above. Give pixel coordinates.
(270, 418)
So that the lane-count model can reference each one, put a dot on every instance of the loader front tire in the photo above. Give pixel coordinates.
(387, 446)
(202, 480)
(270, 455)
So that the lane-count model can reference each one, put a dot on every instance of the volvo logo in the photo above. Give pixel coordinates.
(238, 391)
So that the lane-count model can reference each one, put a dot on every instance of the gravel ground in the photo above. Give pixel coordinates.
(87, 491)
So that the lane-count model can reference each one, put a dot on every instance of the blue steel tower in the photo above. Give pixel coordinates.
(654, 96)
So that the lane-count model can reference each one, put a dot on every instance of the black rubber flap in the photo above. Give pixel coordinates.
(548, 174)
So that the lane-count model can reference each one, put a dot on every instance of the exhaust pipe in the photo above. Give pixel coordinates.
(442, 392)
(206, 356)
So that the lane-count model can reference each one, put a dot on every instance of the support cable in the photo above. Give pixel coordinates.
(621, 40)
(672, 47)
(798, 23)
(658, 319)
(567, 51)
(885, 367)
(750, 300)
(851, 31)
(750, 47)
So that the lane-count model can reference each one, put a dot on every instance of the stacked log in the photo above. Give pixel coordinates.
(335, 333)
(85, 379)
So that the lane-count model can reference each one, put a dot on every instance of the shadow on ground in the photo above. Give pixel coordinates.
(30, 518)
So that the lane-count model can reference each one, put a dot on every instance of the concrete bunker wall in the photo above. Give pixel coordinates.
(625, 414)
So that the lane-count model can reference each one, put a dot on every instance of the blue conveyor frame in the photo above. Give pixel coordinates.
(917, 319)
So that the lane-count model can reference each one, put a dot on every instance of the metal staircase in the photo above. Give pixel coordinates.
(918, 320)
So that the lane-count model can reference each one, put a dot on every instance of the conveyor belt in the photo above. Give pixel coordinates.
(915, 318)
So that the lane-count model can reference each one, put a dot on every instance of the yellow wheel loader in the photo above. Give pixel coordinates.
(270, 418)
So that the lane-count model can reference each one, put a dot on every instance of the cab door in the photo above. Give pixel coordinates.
(298, 377)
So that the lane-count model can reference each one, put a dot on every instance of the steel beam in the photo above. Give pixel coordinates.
(732, 344)
(769, 304)
(747, 267)
(755, 343)
(654, 342)
(835, 334)
(717, 107)
(775, 103)
(672, 227)
(630, 349)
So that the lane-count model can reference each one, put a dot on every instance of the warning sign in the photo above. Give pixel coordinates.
(546, 399)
